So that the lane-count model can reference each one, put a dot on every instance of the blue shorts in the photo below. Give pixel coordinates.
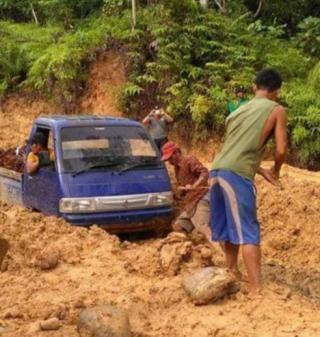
(233, 209)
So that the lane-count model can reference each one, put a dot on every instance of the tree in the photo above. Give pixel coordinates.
(261, 2)
(221, 4)
(134, 14)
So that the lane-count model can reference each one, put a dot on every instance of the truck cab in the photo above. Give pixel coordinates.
(107, 171)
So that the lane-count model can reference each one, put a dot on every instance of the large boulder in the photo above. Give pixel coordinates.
(209, 284)
(104, 321)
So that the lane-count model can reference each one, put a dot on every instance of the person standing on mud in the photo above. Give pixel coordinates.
(192, 178)
(233, 195)
(157, 122)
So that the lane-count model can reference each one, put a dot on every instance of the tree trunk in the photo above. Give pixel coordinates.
(34, 14)
(134, 14)
(221, 4)
(261, 2)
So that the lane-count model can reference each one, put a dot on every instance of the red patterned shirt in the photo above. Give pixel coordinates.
(187, 172)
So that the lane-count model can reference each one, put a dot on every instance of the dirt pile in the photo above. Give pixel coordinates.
(105, 81)
(17, 115)
(144, 277)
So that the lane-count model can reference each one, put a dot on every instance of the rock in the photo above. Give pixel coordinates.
(50, 324)
(209, 285)
(79, 304)
(48, 259)
(104, 321)
(4, 266)
(171, 256)
(206, 252)
(13, 313)
(4, 246)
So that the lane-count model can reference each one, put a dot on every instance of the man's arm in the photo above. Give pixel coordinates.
(280, 134)
(32, 163)
(198, 169)
(146, 119)
(277, 124)
(167, 117)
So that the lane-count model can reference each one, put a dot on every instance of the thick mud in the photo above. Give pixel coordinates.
(55, 270)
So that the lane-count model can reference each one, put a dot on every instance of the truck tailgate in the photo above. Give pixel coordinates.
(10, 187)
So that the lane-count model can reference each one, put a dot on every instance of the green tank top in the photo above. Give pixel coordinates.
(240, 152)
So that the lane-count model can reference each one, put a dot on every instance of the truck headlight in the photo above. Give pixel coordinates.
(77, 205)
(165, 198)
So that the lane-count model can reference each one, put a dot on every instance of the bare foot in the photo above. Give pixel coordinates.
(238, 275)
(255, 293)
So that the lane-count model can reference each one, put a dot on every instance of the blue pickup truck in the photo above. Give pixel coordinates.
(107, 171)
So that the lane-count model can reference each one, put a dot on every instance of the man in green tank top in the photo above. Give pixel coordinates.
(233, 195)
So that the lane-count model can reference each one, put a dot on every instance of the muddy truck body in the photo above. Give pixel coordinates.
(107, 171)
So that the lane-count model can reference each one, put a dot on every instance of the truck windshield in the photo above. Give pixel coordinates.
(107, 147)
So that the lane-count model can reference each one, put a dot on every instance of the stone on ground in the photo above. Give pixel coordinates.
(4, 246)
(50, 324)
(171, 256)
(48, 259)
(209, 285)
(104, 321)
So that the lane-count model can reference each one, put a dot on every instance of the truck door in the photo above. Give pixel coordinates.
(41, 190)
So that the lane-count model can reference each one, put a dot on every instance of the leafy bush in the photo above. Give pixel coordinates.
(309, 36)
(304, 118)
(178, 55)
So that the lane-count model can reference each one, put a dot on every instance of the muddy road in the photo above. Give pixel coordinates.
(144, 276)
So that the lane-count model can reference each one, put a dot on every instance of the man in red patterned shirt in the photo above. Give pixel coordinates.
(192, 179)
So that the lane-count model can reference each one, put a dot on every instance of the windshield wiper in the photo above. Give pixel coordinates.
(136, 165)
(93, 166)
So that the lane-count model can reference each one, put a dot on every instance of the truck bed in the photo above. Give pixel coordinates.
(10, 187)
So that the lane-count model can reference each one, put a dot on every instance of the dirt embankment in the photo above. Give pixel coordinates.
(144, 276)
(105, 80)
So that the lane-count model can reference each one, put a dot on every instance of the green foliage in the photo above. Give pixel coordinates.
(131, 90)
(309, 36)
(178, 55)
(65, 11)
(114, 7)
(284, 12)
(303, 102)
(21, 45)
